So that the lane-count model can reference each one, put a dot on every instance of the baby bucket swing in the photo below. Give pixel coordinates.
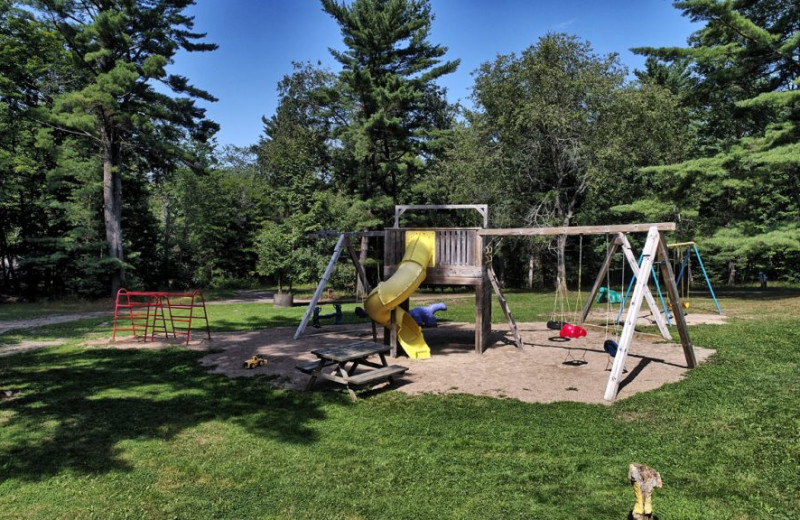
(568, 330)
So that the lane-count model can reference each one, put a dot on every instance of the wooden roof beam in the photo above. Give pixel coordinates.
(576, 230)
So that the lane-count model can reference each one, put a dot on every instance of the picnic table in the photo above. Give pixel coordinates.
(339, 364)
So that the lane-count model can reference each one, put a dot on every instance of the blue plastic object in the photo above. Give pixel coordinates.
(604, 294)
(610, 346)
(424, 316)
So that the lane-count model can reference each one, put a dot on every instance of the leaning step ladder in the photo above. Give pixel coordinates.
(512, 323)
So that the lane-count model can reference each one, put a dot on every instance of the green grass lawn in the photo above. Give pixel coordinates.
(103, 433)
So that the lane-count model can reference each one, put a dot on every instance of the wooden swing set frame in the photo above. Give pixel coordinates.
(654, 252)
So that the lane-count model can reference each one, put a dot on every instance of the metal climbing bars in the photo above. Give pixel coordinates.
(145, 313)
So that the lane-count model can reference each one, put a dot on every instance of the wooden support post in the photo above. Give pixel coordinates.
(483, 314)
(651, 302)
(337, 251)
(648, 256)
(612, 248)
(677, 306)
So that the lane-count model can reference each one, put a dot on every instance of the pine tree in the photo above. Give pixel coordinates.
(743, 190)
(395, 109)
(119, 49)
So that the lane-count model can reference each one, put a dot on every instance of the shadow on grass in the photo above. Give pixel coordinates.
(72, 409)
(750, 293)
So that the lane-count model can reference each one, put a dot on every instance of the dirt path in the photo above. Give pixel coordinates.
(30, 323)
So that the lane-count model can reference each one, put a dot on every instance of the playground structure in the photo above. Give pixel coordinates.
(686, 267)
(144, 313)
(438, 256)
(426, 316)
(462, 256)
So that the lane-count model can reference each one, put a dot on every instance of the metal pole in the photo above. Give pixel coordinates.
(700, 261)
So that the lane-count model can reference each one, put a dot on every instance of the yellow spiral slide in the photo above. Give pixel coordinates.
(419, 255)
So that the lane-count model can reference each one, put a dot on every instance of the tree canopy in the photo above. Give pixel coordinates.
(741, 190)
(394, 109)
(706, 134)
(117, 50)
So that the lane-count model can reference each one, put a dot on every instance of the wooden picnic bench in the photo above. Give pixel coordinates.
(345, 360)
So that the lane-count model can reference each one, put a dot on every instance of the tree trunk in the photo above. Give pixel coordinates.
(362, 259)
(166, 261)
(112, 209)
(561, 271)
(731, 272)
(531, 264)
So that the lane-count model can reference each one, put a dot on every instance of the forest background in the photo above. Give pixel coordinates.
(110, 176)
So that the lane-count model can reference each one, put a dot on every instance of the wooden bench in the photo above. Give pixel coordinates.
(373, 376)
(307, 368)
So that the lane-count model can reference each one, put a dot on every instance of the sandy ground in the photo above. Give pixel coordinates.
(541, 372)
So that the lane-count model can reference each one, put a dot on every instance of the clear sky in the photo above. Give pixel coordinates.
(259, 39)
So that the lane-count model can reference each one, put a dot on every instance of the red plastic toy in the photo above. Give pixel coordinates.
(572, 331)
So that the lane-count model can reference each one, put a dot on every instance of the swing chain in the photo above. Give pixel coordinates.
(490, 249)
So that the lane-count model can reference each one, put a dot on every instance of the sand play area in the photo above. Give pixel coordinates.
(544, 371)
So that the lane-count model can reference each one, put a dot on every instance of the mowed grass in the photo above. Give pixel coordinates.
(96, 432)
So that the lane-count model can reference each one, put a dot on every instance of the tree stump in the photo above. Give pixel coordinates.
(643, 479)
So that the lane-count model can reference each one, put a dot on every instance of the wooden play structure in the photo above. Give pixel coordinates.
(463, 256)
(457, 259)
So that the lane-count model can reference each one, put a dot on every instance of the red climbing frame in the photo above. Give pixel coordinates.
(143, 311)
(184, 309)
(148, 312)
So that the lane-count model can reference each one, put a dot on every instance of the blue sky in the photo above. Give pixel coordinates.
(259, 39)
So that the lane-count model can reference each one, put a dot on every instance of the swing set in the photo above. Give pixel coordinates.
(654, 253)
(682, 283)
(566, 317)
(686, 266)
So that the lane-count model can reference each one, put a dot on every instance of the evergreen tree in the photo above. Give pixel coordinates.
(394, 109)
(119, 49)
(742, 191)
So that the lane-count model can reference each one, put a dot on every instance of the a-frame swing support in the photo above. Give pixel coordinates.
(622, 241)
(654, 250)
(343, 243)
(692, 246)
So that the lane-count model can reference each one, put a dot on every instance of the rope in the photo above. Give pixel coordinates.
(580, 273)
(608, 299)
(688, 275)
